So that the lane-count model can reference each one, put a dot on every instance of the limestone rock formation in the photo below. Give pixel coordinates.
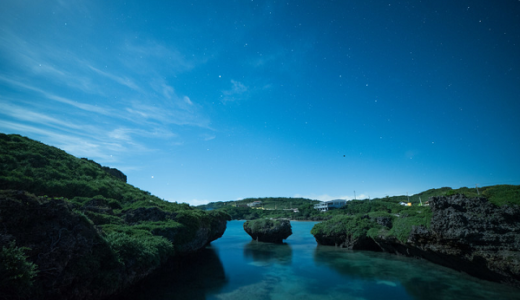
(74, 259)
(470, 235)
(272, 231)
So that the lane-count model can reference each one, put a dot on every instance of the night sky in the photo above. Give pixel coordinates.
(199, 101)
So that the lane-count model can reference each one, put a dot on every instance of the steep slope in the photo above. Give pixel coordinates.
(88, 233)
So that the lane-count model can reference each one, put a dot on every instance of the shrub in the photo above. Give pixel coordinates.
(16, 273)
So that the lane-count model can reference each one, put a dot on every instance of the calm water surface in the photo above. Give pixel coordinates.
(234, 267)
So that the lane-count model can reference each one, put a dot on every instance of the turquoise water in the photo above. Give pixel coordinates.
(234, 267)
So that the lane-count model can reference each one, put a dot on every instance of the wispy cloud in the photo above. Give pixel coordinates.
(93, 104)
(50, 96)
(119, 79)
(79, 146)
(236, 92)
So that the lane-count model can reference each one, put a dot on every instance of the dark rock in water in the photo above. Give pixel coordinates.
(344, 238)
(470, 235)
(201, 237)
(271, 231)
(347, 241)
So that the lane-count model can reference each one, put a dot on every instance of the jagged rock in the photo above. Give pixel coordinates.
(272, 231)
(470, 235)
(204, 234)
(74, 260)
(384, 221)
(66, 247)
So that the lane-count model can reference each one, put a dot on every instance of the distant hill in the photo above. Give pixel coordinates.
(266, 203)
(278, 207)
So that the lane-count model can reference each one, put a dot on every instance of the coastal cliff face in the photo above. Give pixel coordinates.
(74, 259)
(469, 235)
(271, 231)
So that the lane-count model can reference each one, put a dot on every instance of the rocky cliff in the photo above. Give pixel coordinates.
(271, 231)
(469, 235)
(75, 259)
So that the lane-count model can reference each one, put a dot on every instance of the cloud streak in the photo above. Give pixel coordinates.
(108, 111)
(236, 92)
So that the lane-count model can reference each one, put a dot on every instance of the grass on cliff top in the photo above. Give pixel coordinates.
(256, 225)
(365, 225)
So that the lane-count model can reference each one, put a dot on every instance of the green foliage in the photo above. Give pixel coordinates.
(44, 170)
(16, 272)
(413, 216)
(100, 197)
(355, 226)
(140, 252)
(502, 194)
(101, 219)
(258, 225)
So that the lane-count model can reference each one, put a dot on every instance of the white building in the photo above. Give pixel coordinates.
(255, 203)
(327, 205)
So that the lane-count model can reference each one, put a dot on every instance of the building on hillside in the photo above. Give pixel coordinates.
(405, 203)
(332, 204)
(254, 203)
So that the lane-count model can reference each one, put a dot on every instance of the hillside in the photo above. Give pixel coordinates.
(278, 207)
(77, 230)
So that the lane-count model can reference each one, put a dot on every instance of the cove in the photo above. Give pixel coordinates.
(235, 267)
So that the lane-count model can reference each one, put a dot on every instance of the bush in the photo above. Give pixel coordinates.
(140, 252)
(16, 273)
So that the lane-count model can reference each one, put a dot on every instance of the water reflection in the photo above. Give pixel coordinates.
(194, 278)
(264, 254)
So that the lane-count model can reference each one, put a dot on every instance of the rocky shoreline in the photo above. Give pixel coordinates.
(473, 236)
(75, 260)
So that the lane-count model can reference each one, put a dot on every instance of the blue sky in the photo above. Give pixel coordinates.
(201, 101)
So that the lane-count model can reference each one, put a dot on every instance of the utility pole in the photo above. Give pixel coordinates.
(355, 195)
(476, 185)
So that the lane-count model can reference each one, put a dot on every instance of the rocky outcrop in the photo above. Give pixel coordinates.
(77, 261)
(348, 241)
(470, 235)
(335, 232)
(203, 230)
(271, 231)
(70, 253)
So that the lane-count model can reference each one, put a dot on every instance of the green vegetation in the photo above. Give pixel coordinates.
(238, 210)
(376, 223)
(358, 217)
(141, 230)
(272, 207)
(16, 273)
